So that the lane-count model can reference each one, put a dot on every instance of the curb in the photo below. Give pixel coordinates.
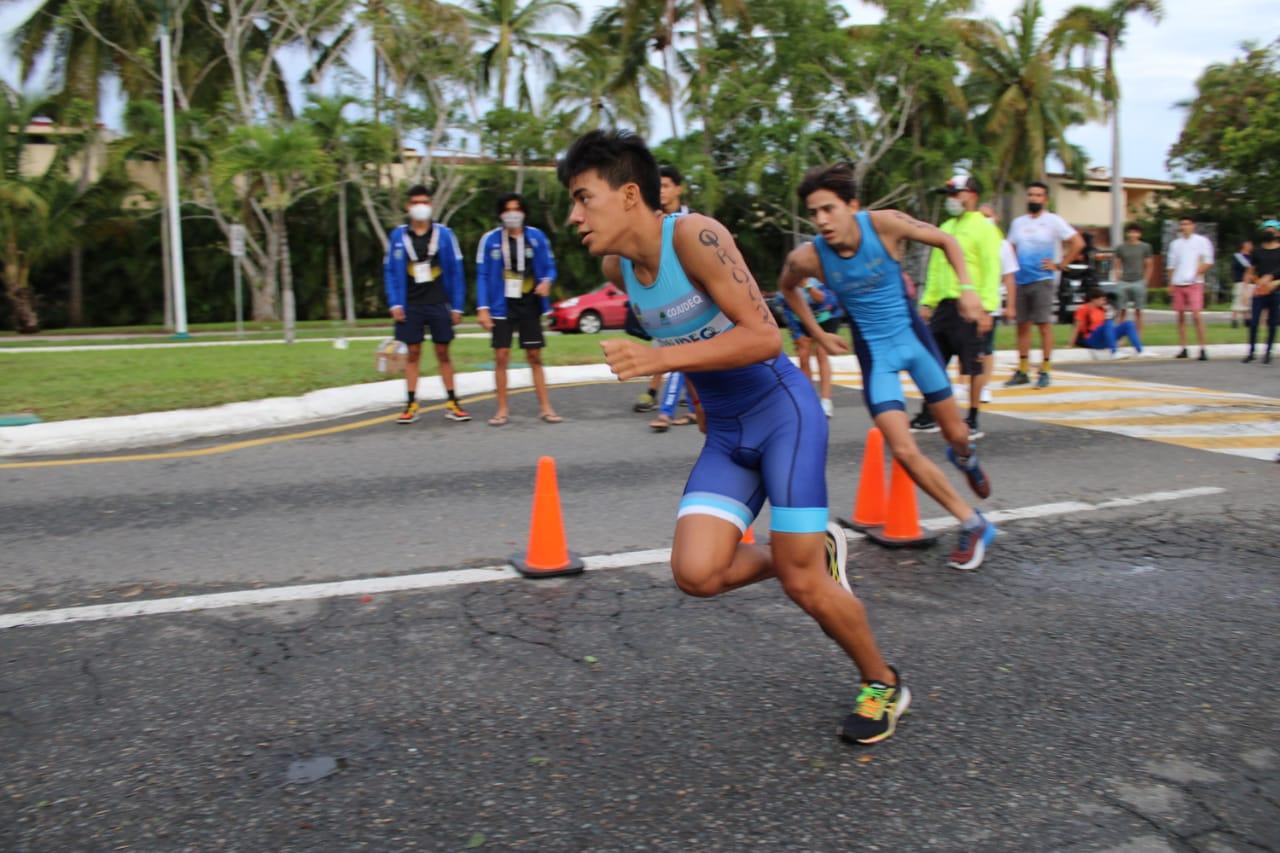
(98, 435)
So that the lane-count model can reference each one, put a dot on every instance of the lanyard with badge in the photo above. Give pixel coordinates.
(422, 269)
(513, 275)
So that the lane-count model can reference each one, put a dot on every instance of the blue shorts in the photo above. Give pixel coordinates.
(913, 351)
(775, 450)
(419, 318)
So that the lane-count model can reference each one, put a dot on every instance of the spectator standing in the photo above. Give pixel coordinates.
(1190, 256)
(1241, 285)
(514, 273)
(1008, 302)
(1136, 260)
(1038, 238)
(1265, 274)
(979, 240)
(426, 288)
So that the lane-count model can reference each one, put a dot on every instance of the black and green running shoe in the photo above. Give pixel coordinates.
(876, 712)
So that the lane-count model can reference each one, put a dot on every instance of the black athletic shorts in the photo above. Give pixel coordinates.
(955, 337)
(524, 319)
(419, 318)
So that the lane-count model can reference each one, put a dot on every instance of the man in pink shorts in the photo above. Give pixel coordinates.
(1190, 256)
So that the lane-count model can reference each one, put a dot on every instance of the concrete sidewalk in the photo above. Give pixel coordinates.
(98, 435)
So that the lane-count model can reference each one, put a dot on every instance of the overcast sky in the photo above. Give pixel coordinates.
(1158, 66)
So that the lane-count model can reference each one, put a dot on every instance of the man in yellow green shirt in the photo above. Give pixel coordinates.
(980, 241)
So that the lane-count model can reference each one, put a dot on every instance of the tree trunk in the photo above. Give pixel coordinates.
(1117, 179)
(75, 302)
(263, 290)
(332, 302)
(286, 276)
(344, 249)
(17, 289)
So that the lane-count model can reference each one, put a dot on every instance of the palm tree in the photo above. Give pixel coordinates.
(37, 210)
(514, 35)
(593, 82)
(277, 162)
(1027, 101)
(1087, 25)
(333, 130)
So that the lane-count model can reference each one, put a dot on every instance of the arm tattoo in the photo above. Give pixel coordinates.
(737, 272)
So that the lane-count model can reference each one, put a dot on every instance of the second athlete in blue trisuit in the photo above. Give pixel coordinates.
(856, 255)
(766, 433)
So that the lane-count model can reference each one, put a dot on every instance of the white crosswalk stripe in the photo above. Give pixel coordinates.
(1203, 418)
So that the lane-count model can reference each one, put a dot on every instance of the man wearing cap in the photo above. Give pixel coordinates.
(1265, 273)
(980, 241)
(1038, 238)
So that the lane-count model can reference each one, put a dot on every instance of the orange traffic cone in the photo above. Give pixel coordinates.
(749, 538)
(869, 508)
(902, 527)
(548, 554)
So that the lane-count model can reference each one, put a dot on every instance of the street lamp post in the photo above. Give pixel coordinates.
(171, 179)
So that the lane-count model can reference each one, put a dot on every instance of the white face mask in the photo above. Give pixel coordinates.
(954, 206)
(420, 212)
(512, 219)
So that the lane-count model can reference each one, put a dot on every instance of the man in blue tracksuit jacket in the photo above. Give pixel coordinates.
(514, 273)
(426, 289)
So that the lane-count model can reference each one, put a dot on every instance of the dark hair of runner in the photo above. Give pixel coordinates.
(507, 197)
(837, 177)
(1186, 218)
(619, 157)
(1093, 293)
(1041, 184)
(418, 190)
(1133, 226)
(672, 174)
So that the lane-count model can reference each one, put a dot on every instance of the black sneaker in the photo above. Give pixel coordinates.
(1019, 377)
(1266, 359)
(1043, 380)
(924, 422)
(876, 712)
(1248, 358)
(1204, 355)
(645, 403)
(975, 431)
(1182, 353)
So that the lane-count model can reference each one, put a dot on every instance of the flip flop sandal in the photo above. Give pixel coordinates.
(683, 420)
(498, 420)
(551, 419)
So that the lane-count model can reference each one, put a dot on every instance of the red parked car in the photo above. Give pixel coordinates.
(603, 308)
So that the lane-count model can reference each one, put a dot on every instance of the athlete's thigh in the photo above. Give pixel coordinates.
(791, 437)
(881, 387)
(921, 360)
(720, 484)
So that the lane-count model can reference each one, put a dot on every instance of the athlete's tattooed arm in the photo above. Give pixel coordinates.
(894, 225)
(801, 265)
(711, 260)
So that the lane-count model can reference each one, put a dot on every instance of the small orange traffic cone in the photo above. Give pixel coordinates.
(548, 554)
(869, 508)
(749, 538)
(902, 527)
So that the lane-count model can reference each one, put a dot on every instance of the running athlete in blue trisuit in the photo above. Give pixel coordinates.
(856, 254)
(766, 433)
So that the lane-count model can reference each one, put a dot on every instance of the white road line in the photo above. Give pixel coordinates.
(488, 574)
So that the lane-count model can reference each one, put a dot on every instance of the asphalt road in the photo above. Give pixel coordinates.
(1107, 681)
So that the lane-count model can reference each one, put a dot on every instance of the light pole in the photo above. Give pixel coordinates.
(171, 179)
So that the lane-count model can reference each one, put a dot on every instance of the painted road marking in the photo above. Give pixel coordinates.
(457, 577)
(1203, 418)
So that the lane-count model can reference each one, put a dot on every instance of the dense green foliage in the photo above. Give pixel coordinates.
(488, 92)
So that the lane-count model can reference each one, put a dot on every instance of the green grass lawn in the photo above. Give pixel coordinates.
(61, 386)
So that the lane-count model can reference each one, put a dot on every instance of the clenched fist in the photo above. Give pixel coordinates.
(629, 359)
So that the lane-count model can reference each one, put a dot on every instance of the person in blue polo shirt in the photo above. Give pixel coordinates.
(514, 273)
(422, 273)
